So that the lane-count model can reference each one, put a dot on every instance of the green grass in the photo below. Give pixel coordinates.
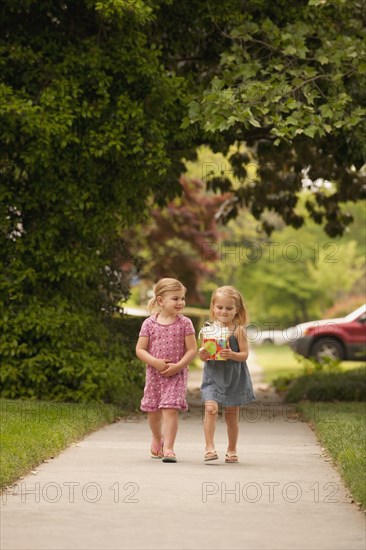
(341, 428)
(278, 361)
(33, 431)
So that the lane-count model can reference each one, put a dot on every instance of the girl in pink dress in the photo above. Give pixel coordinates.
(167, 344)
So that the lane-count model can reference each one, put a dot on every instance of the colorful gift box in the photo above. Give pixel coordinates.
(214, 338)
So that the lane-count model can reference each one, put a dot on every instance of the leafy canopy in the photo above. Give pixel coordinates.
(290, 83)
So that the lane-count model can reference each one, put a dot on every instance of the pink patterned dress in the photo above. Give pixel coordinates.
(166, 342)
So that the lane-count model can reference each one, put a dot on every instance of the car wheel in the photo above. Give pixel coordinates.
(327, 348)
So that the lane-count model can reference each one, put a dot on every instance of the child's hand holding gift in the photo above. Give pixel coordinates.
(203, 354)
(227, 353)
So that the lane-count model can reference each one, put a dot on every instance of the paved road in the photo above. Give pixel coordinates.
(106, 493)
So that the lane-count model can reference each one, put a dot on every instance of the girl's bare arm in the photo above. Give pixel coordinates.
(191, 352)
(142, 353)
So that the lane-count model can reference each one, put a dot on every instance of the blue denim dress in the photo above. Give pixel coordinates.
(227, 382)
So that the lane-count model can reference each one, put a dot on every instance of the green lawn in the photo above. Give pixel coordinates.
(32, 431)
(279, 361)
(341, 428)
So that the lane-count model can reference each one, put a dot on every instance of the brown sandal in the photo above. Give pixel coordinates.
(231, 458)
(211, 455)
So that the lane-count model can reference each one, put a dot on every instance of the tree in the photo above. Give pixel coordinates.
(88, 118)
(291, 84)
(84, 133)
(177, 240)
(294, 277)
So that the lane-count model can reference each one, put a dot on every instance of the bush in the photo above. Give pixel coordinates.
(54, 351)
(126, 373)
(328, 386)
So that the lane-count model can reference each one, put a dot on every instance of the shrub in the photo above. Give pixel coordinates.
(54, 351)
(126, 373)
(328, 386)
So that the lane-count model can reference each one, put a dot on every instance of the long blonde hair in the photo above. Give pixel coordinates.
(242, 316)
(166, 284)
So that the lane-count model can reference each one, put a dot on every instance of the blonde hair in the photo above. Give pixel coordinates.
(242, 316)
(164, 285)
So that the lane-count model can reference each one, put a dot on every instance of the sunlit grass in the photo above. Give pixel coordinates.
(33, 431)
(341, 428)
(281, 361)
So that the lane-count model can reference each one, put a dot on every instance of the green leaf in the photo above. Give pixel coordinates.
(323, 59)
(292, 104)
(326, 111)
(310, 131)
(289, 50)
(254, 122)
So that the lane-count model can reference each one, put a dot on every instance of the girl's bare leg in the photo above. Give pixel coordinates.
(155, 420)
(209, 424)
(232, 424)
(170, 428)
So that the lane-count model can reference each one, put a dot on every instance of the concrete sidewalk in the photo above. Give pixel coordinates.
(107, 493)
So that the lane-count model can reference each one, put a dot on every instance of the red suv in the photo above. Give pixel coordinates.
(343, 339)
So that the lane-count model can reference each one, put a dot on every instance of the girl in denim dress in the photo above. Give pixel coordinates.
(226, 382)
